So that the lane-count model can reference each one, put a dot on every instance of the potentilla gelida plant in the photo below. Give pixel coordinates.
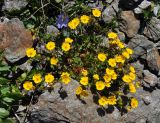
(78, 52)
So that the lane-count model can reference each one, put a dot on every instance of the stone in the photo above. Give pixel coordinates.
(139, 68)
(14, 40)
(10, 5)
(153, 60)
(150, 78)
(152, 29)
(144, 4)
(63, 105)
(52, 30)
(156, 9)
(110, 11)
(138, 10)
(129, 24)
(147, 99)
(140, 45)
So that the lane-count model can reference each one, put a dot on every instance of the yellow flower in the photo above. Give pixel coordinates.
(120, 44)
(68, 40)
(107, 78)
(112, 35)
(74, 23)
(102, 57)
(134, 103)
(130, 51)
(132, 88)
(49, 78)
(126, 54)
(96, 12)
(108, 84)
(84, 93)
(54, 61)
(65, 76)
(31, 52)
(102, 101)
(109, 71)
(131, 68)
(79, 90)
(114, 76)
(112, 62)
(28, 85)
(132, 76)
(66, 47)
(84, 19)
(50, 45)
(126, 78)
(120, 59)
(84, 72)
(112, 100)
(37, 78)
(100, 85)
(84, 80)
(96, 76)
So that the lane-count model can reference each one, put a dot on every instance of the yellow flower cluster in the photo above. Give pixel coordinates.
(102, 57)
(27, 85)
(66, 45)
(37, 78)
(49, 78)
(134, 103)
(53, 61)
(65, 77)
(111, 100)
(96, 12)
(81, 92)
(84, 80)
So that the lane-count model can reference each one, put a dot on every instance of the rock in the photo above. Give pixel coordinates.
(14, 40)
(156, 9)
(139, 68)
(110, 12)
(129, 24)
(153, 60)
(152, 30)
(145, 4)
(147, 100)
(10, 5)
(140, 45)
(66, 107)
(150, 78)
(52, 30)
(138, 10)
(26, 66)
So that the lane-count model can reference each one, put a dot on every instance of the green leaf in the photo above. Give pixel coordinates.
(8, 100)
(3, 80)
(5, 90)
(5, 68)
(8, 121)
(3, 113)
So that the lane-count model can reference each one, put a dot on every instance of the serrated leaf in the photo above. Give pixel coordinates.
(3, 80)
(5, 90)
(3, 113)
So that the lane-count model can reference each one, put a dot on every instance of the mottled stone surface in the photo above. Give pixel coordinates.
(14, 40)
(129, 23)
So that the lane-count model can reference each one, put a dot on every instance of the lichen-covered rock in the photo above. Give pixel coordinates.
(140, 45)
(129, 23)
(152, 30)
(10, 5)
(14, 40)
(153, 60)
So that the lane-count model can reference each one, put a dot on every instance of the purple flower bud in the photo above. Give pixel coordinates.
(62, 21)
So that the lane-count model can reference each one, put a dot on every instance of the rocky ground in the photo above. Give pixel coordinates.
(61, 105)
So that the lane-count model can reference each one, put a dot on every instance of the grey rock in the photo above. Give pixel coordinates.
(26, 66)
(14, 39)
(150, 78)
(121, 36)
(138, 10)
(156, 9)
(145, 4)
(140, 45)
(52, 30)
(139, 68)
(110, 12)
(153, 60)
(129, 23)
(152, 30)
(10, 5)
(147, 99)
